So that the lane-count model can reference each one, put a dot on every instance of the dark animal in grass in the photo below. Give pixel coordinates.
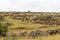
(52, 32)
(4, 35)
(44, 33)
(11, 35)
(58, 31)
(22, 34)
(34, 19)
(38, 32)
(33, 34)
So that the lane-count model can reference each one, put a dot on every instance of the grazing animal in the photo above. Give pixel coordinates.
(34, 19)
(22, 34)
(38, 32)
(44, 33)
(33, 34)
(4, 35)
(51, 32)
(58, 31)
(11, 35)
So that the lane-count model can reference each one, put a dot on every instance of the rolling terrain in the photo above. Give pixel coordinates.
(18, 26)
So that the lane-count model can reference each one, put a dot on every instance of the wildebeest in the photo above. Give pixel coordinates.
(34, 19)
(33, 34)
(52, 32)
(38, 32)
(58, 31)
(4, 35)
(11, 35)
(44, 33)
(22, 34)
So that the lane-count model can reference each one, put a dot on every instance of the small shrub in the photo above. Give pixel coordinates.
(1, 17)
(3, 29)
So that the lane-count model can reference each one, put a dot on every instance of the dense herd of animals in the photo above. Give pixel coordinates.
(34, 34)
(38, 18)
(48, 19)
(35, 17)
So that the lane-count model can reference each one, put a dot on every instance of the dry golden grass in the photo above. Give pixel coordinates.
(30, 27)
(54, 37)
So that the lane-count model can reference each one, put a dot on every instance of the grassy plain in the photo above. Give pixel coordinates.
(30, 27)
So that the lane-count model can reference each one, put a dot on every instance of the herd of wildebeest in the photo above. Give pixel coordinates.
(40, 18)
(47, 19)
(36, 17)
(34, 34)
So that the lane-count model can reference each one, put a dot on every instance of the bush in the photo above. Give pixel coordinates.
(1, 17)
(3, 29)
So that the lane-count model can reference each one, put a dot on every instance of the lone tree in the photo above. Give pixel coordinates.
(3, 29)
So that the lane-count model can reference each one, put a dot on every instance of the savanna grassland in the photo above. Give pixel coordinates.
(30, 21)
